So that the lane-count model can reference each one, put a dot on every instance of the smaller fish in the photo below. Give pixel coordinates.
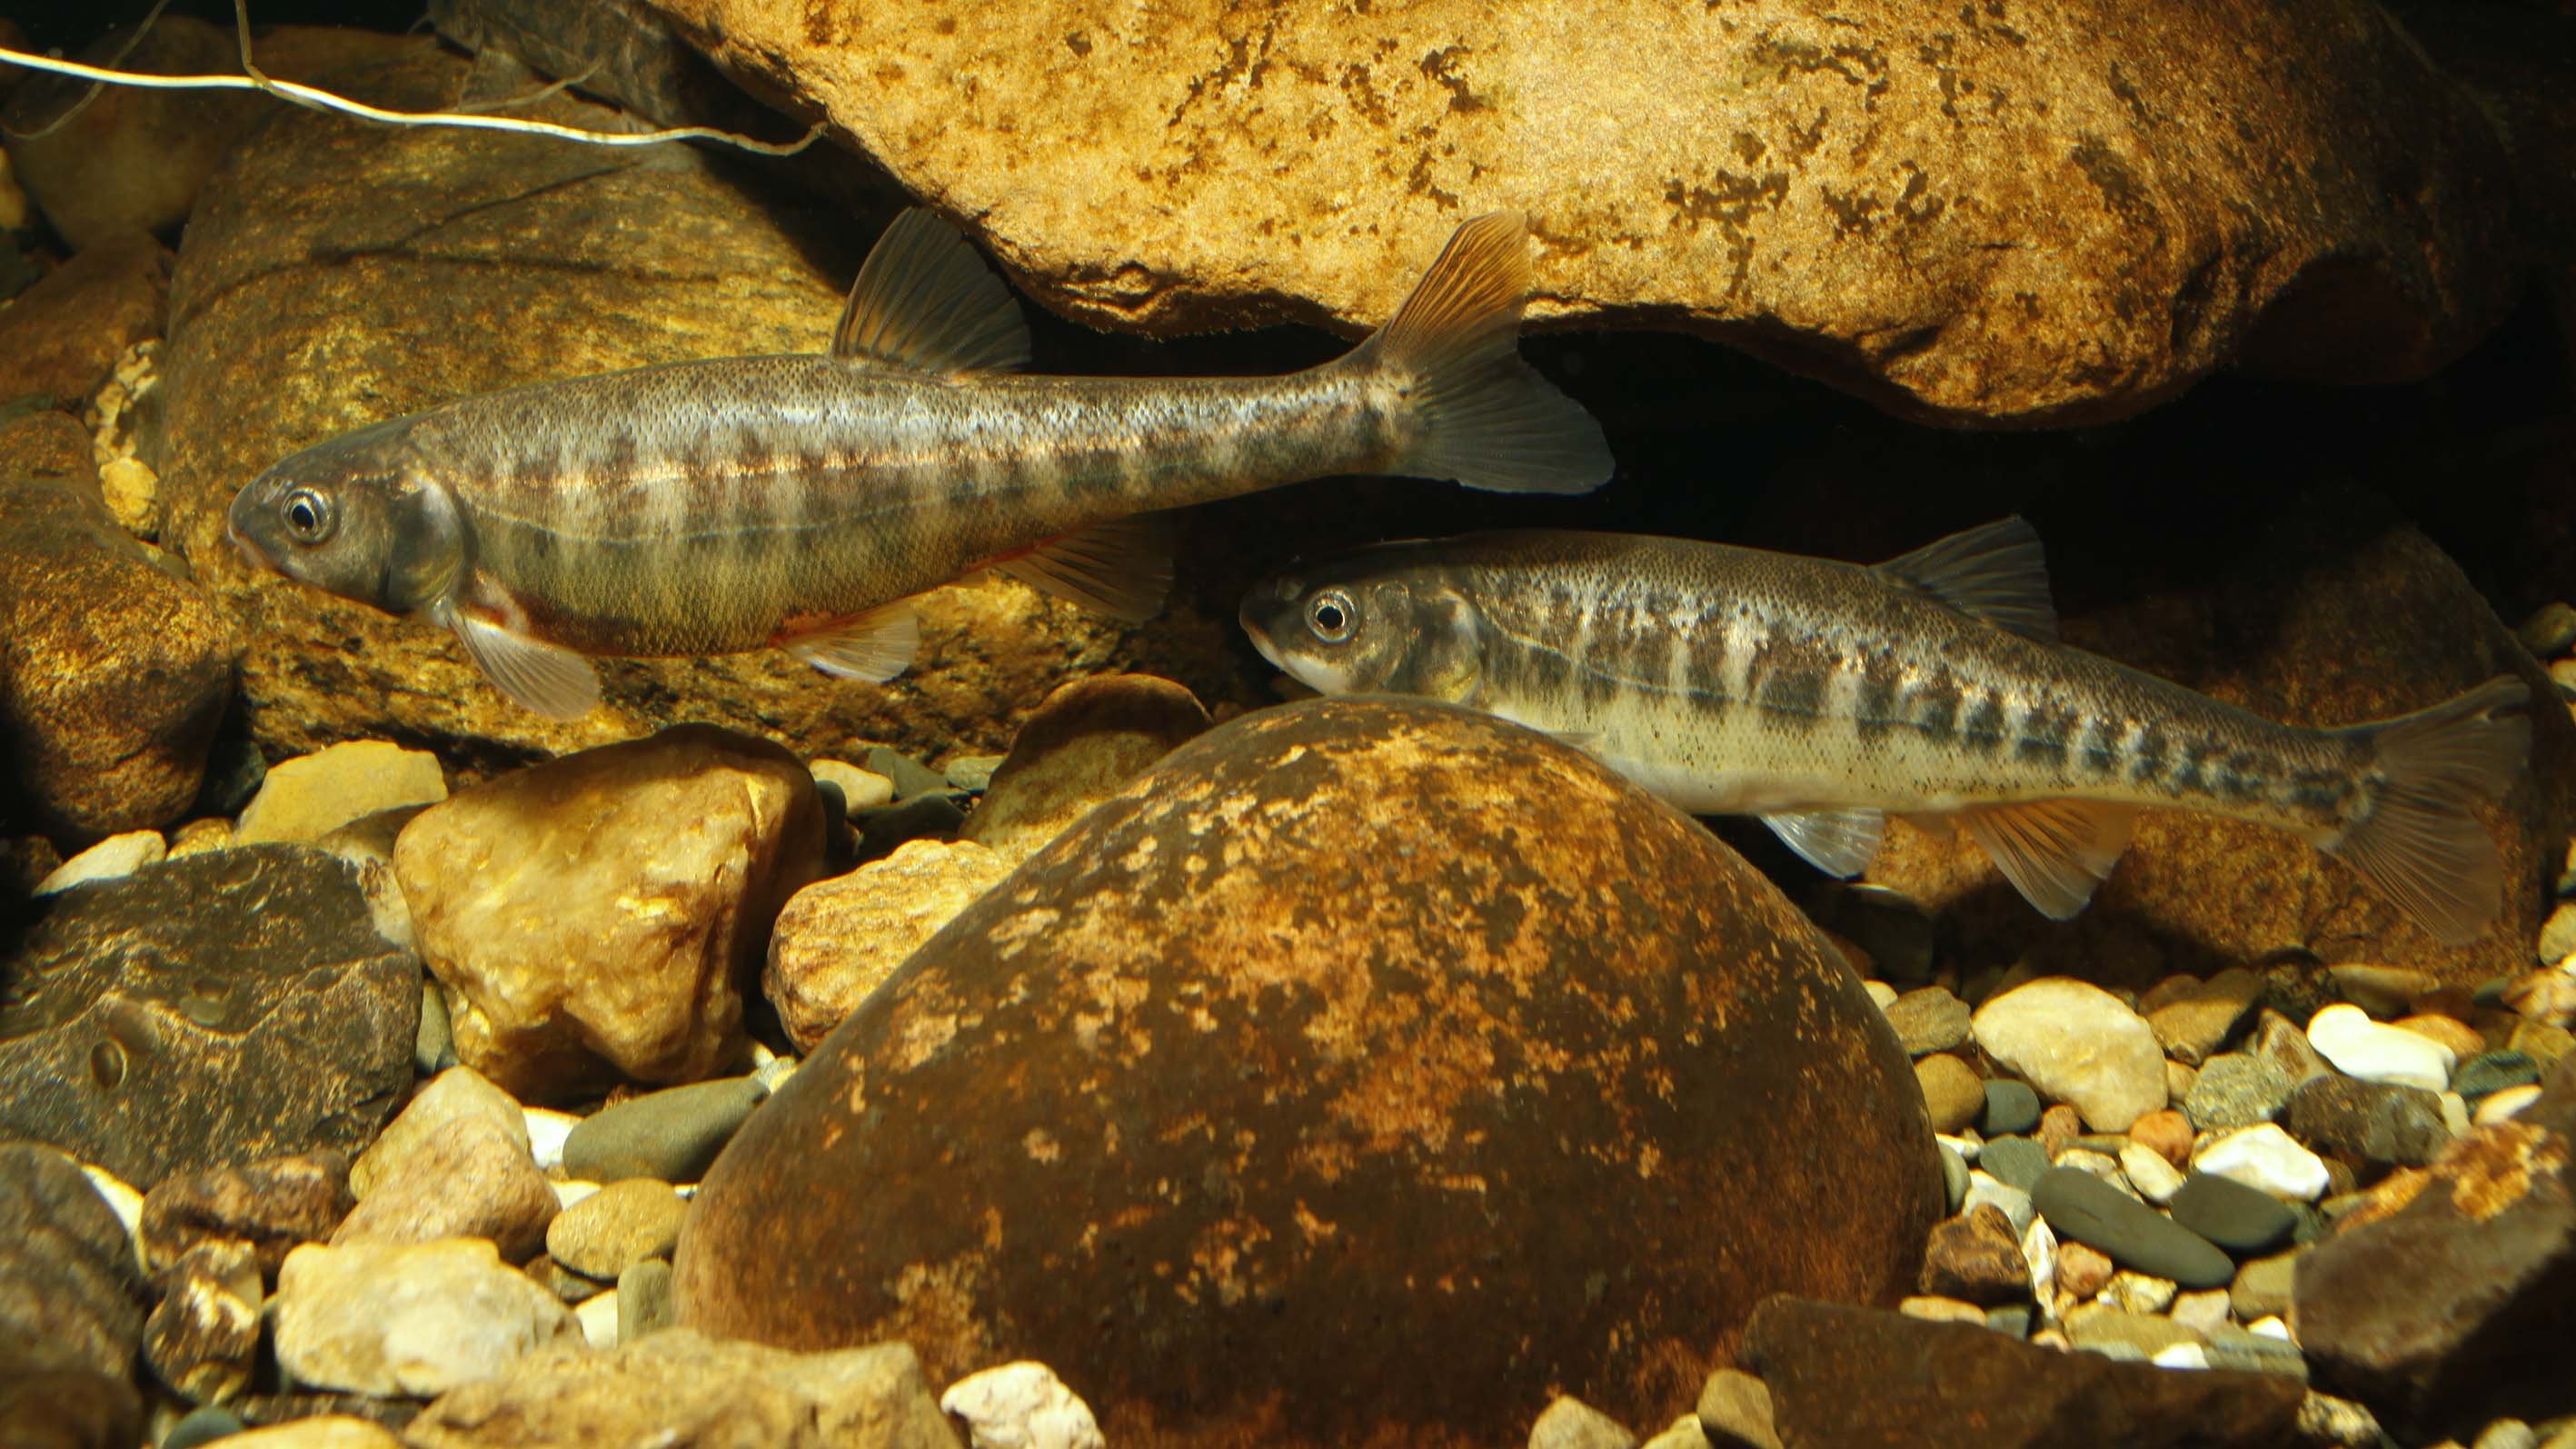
(1825, 696)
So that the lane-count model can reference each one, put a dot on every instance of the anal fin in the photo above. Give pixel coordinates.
(2053, 851)
(547, 678)
(874, 646)
(1122, 568)
(1837, 842)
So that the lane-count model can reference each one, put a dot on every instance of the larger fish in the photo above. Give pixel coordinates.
(1824, 696)
(798, 501)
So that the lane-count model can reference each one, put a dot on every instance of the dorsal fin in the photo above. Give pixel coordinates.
(924, 300)
(1997, 573)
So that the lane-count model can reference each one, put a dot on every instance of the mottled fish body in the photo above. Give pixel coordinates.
(1824, 696)
(799, 501)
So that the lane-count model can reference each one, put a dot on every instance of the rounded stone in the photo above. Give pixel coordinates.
(2088, 1210)
(669, 1135)
(1359, 1074)
(616, 1228)
(2011, 1108)
(2239, 1218)
(1951, 1091)
(2235, 1090)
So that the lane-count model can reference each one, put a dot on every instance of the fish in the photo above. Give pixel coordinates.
(1823, 697)
(802, 501)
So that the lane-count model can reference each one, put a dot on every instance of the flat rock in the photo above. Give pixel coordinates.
(2077, 1044)
(2487, 1233)
(408, 1319)
(2364, 618)
(1858, 1376)
(2236, 1216)
(674, 1385)
(617, 1227)
(217, 1009)
(469, 1178)
(1082, 746)
(670, 1135)
(602, 915)
(455, 1093)
(308, 797)
(2048, 247)
(2090, 1211)
(2368, 1122)
(1173, 1037)
(273, 1205)
(63, 335)
(839, 939)
(2011, 1107)
(118, 667)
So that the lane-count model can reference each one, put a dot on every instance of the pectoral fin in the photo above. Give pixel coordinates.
(874, 646)
(925, 301)
(2053, 851)
(546, 678)
(1122, 569)
(1996, 573)
(1837, 842)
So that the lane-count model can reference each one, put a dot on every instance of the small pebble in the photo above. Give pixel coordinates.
(2548, 633)
(2491, 1072)
(2140, 1292)
(2231, 1214)
(1954, 1179)
(1735, 1408)
(2204, 1312)
(2455, 1114)
(670, 1135)
(2271, 1326)
(2462, 1038)
(1984, 1190)
(910, 777)
(2132, 1234)
(2504, 1106)
(860, 789)
(1934, 1309)
(1929, 1019)
(573, 1190)
(2082, 1271)
(548, 1130)
(2374, 1052)
(202, 1426)
(2268, 1159)
(2017, 1161)
(617, 1227)
(2039, 1250)
(2262, 1287)
(433, 1046)
(2155, 1179)
(2558, 934)
(1881, 994)
(644, 1300)
(2167, 1134)
(1951, 1091)
(2507, 1434)
(2237, 1090)
(2381, 991)
(1965, 1143)
(972, 773)
(2182, 1356)
(114, 858)
(598, 1316)
(1683, 1433)
(1021, 1405)
(2011, 1107)
(2012, 1320)
(308, 797)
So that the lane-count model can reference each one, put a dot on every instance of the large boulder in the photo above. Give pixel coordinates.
(440, 263)
(2342, 616)
(1357, 1074)
(604, 916)
(206, 1011)
(2067, 210)
(114, 667)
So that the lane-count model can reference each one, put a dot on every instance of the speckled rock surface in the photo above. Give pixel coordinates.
(1327, 1008)
(839, 939)
(207, 1011)
(603, 914)
(64, 333)
(114, 669)
(2054, 211)
(70, 1296)
(441, 263)
(273, 1205)
(2349, 617)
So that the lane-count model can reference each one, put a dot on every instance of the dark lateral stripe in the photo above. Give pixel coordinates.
(1798, 693)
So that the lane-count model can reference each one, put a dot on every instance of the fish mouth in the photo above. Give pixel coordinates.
(1260, 637)
(251, 552)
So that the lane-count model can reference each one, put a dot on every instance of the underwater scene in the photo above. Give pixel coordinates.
(1384, 725)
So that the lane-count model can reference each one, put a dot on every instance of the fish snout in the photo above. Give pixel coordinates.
(251, 551)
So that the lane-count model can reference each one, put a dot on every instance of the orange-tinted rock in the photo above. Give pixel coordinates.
(1359, 1075)
(65, 333)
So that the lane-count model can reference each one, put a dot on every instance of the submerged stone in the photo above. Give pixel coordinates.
(1249, 1103)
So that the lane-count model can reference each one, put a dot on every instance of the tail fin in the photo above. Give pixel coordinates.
(2419, 845)
(1484, 417)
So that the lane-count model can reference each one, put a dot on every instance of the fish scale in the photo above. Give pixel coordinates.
(1824, 696)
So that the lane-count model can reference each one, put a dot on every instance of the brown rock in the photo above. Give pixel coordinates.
(117, 668)
(203, 1337)
(2362, 618)
(2053, 244)
(1082, 746)
(69, 1293)
(2082, 1270)
(2201, 1017)
(2488, 1233)
(222, 1008)
(2284, 1043)
(49, 1407)
(1929, 1019)
(1850, 1376)
(455, 1093)
(2059, 1126)
(1951, 1091)
(839, 939)
(1977, 1257)
(579, 936)
(1314, 976)
(677, 1386)
(2459, 1036)
(2166, 1133)
(543, 261)
(468, 1179)
(63, 335)
(617, 1227)
(272, 1205)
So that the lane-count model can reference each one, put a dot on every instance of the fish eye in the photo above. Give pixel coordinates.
(308, 516)
(1332, 616)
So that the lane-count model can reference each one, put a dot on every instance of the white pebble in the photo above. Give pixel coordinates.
(1966, 1147)
(2360, 1047)
(117, 855)
(1880, 993)
(2271, 1325)
(125, 1202)
(572, 1191)
(2204, 1313)
(2505, 1105)
(547, 1129)
(1021, 1405)
(2266, 1158)
(2039, 1249)
(1985, 1188)
(598, 1315)
(2182, 1356)
(2455, 1113)
(2155, 1179)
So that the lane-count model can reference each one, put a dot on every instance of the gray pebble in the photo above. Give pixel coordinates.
(2231, 1347)
(2092, 1212)
(2491, 1072)
(910, 776)
(669, 1135)
(973, 773)
(2011, 1107)
(923, 817)
(2011, 1320)
(2235, 1090)
(433, 1047)
(644, 1300)
(2014, 1161)
(203, 1426)
(2227, 1212)
(1954, 1177)
(1927, 1020)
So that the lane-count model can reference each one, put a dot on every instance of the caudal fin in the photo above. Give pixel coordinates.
(1484, 417)
(2420, 845)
